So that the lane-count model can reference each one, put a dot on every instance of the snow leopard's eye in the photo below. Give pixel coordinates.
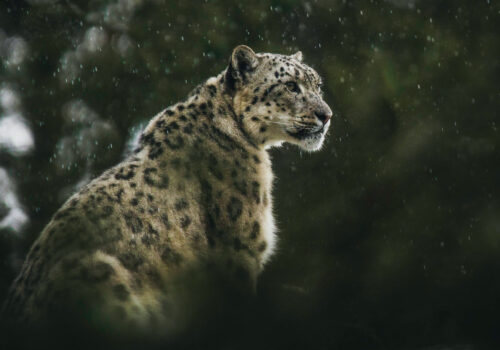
(293, 86)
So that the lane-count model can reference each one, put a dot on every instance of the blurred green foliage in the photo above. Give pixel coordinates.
(389, 237)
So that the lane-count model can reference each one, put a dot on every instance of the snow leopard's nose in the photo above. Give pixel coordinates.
(324, 115)
(323, 112)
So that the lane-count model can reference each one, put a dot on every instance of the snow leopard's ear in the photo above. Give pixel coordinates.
(242, 63)
(298, 56)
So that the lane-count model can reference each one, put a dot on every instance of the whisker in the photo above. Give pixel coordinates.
(293, 118)
(279, 123)
(297, 125)
(295, 122)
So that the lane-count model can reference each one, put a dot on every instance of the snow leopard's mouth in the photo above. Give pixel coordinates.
(308, 134)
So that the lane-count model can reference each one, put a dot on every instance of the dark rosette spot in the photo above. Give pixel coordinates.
(188, 129)
(133, 222)
(185, 221)
(181, 204)
(255, 230)
(174, 142)
(131, 261)
(255, 191)
(262, 246)
(155, 150)
(155, 179)
(234, 208)
(170, 256)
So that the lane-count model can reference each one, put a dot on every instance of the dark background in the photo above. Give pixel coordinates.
(389, 237)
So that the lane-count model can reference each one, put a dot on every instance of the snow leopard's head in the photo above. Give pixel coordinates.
(278, 98)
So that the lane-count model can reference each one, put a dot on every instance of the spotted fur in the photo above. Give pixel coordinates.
(195, 195)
